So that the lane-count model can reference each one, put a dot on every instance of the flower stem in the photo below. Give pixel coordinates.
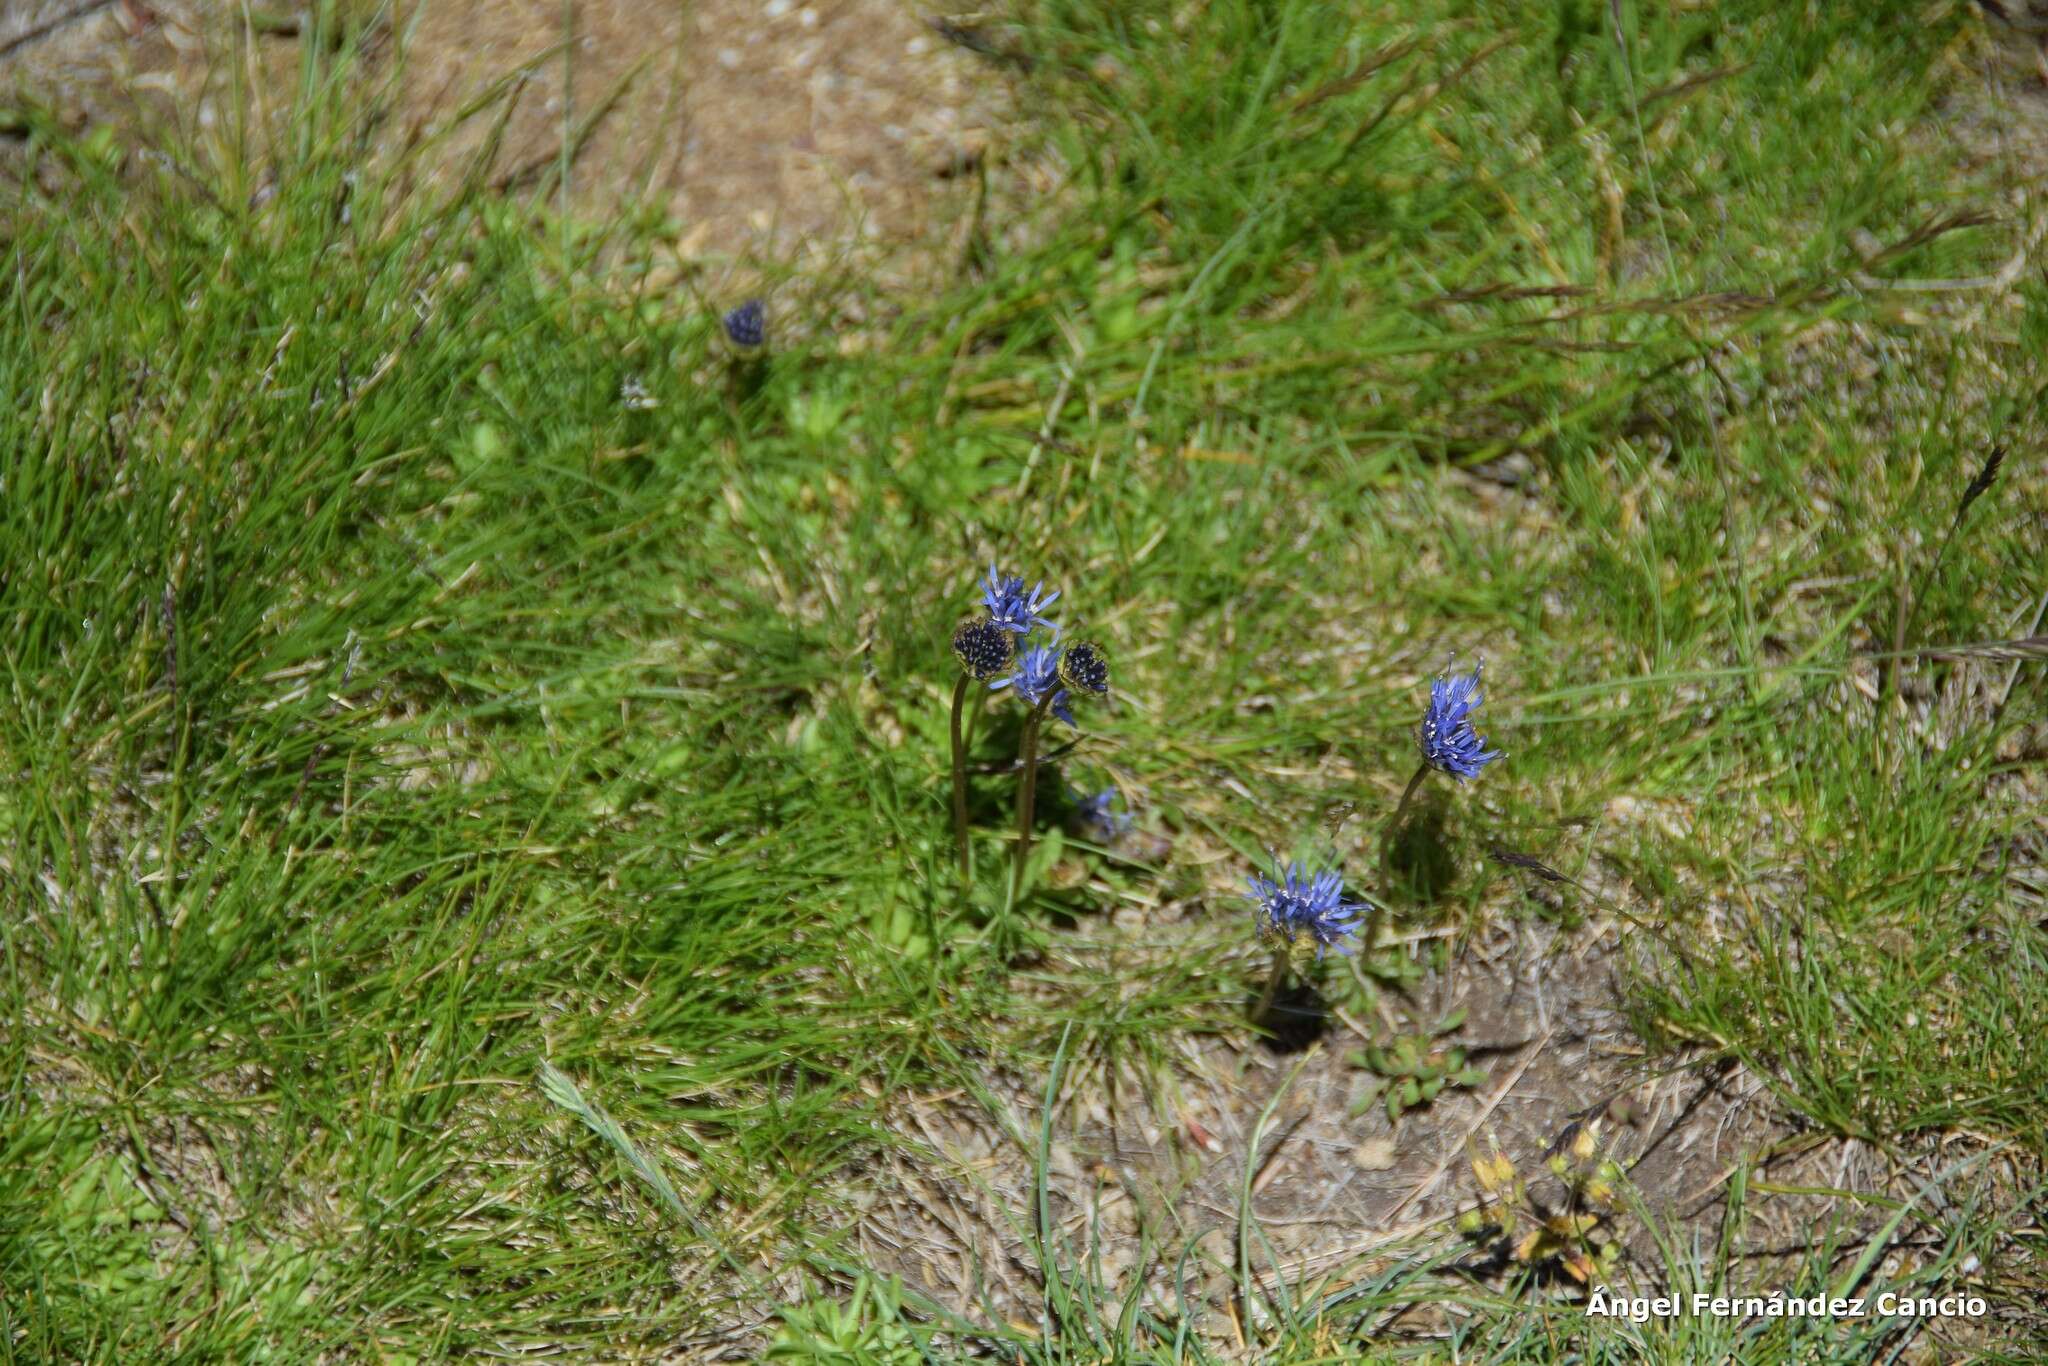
(1273, 981)
(960, 774)
(1407, 796)
(1027, 793)
(1389, 846)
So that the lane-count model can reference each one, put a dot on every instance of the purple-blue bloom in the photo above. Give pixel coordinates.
(1106, 825)
(1297, 910)
(1038, 675)
(1448, 741)
(747, 325)
(1012, 608)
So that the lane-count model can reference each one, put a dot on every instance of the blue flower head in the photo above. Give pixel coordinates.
(1038, 676)
(1085, 668)
(1106, 825)
(1448, 740)
(747, 325)
(1300, 911)
(983, 648)
(1012, 608)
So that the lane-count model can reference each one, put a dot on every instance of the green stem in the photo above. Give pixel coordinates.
(1027, 793)
(1273, 982)
(1407, 796)
(960, 774)
(1374, 915)
(1388, 842)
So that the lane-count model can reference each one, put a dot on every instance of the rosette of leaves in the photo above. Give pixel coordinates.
(1410, 1071)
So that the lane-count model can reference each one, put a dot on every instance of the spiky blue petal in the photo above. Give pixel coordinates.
(1037, 676)
(1448, 741)
(1299, 909)
(1013, 608)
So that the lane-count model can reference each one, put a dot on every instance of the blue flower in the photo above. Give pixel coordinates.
(1037, 676)
(1012, 608)
(1299, 911)
(983, 648)
(1448, 740)
(747, 325)
(1106, 825)
(1085, 668)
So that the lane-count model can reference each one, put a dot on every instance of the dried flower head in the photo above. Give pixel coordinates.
(1037, 677)
(747, 325)
(1014, 609)
(1448, 741)
(1085, 668)
(983, 648)
(1302, 912)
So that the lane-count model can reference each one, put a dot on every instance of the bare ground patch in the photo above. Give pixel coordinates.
(778, 130)
(1144, 1176)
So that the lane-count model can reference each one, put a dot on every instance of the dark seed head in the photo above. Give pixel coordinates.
(1085, 668)
(983, 648)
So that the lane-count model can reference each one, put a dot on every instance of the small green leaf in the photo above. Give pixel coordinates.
(1365, 1096)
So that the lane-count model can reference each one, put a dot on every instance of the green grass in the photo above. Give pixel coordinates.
(476, 856)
